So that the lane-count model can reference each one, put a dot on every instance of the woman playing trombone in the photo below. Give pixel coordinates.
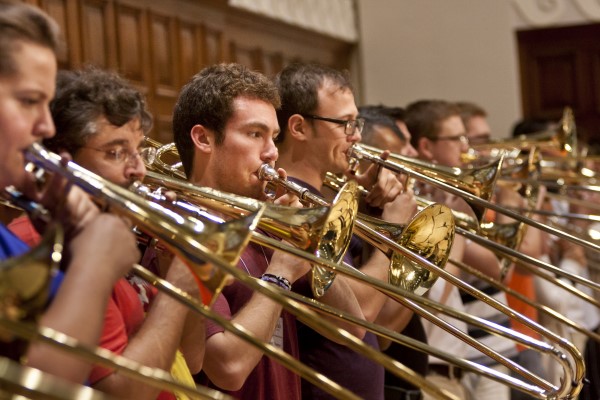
(101, 248)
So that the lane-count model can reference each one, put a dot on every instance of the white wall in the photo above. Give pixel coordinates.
(452, 50)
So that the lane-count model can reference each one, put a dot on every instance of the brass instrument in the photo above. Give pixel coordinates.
(35, 384)
(571, 383)
(429, 234)
(24, 291)
(402, 295)
(166, 225)
(563, 139)
(506, 234)
(478, 182)
(329, 229)
(579, 368)
(357, 151)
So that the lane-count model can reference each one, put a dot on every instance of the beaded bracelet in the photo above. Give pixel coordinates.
(278, 280)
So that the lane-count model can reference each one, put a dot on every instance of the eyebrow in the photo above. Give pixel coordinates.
(261, 126)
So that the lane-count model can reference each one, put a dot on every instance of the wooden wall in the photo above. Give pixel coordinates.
(160, 44)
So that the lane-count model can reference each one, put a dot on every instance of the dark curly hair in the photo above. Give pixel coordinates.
(207, 100)
(85, 96)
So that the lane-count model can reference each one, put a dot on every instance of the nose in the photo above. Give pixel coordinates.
(135, 169)
(44, 127)
(355, 137)
(270, 153)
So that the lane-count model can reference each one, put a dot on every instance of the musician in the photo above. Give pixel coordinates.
(101, 120)
(397, 141)
(439, 136)
(319, 122)
(520, 279)
(224, 124)
(385, 129)
(565, 255)
(101, 247)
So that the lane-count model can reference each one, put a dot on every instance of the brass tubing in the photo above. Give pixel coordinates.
(355, 150)
(540, 307)
(154, 377)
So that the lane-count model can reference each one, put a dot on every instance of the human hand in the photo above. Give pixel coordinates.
(107, 242)
(383, 185)
(284, 198)
(402, 209)
(182, 277)
(71, 206)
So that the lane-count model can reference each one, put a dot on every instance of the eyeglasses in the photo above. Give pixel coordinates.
(350, 126)
(121, 155)
(464, 139)
(479, 139)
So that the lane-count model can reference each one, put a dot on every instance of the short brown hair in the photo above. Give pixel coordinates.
(208, 100)
(469, 110)
(424, 118)
(20, 23)
(299, 85)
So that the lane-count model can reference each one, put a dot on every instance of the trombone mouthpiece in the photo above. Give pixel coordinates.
(353, 158)
(267, 173)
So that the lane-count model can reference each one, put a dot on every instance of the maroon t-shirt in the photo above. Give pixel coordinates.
(356, 373)
(269, 380)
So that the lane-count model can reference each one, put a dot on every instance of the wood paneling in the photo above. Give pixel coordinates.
(98, 36)
(561, 67)
(159, 45)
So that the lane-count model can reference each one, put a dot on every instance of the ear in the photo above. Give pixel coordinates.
(424, 148)
(297, 127)
(202, 138)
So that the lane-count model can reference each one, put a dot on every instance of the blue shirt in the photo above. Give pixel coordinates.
(10, 245)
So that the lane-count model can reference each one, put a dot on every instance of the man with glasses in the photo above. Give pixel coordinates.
(475, 120)
(439, 136)
(319, 122)
(225, 124)
(102, 121)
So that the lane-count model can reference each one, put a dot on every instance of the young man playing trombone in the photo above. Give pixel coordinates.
(319, 122)
(224, 124)
(102, 121)
(439, 136)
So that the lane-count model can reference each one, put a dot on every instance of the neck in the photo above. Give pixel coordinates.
(296, 164)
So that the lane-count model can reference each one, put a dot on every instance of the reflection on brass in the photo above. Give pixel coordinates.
(429, 234)
(478, 182)
(563, 138)
(335, 236)
(25, 280)
(34, 384)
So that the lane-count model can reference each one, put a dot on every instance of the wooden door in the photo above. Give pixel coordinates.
(561, 67)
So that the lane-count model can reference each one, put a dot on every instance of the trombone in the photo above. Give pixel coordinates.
(168, 226)
(401, 295)
(192, 192)
(24, 290)
(399, 166)
(563, 139)
(266, 170)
